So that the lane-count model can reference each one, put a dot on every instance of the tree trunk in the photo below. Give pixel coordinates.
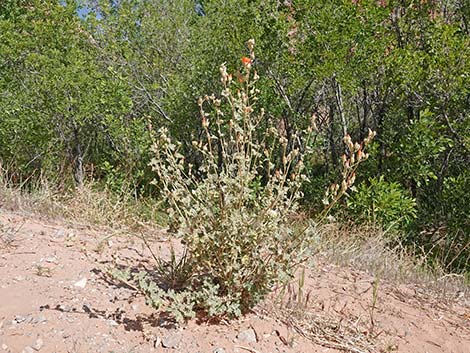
(78, 173)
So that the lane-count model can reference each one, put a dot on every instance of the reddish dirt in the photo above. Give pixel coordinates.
(43, 307)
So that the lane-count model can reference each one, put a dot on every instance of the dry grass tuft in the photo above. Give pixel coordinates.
(294, 307)
(89, 205)
(370, 249)
(40, 199)
(345, 334)
(8, 235)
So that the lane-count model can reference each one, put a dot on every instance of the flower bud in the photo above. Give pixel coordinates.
(251, 44)
(360, 154)
(352, 179)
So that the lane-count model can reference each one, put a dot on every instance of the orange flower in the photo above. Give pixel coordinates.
(246, 60)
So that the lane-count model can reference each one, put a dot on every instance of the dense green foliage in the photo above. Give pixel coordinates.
(383, 203)
(77, 94)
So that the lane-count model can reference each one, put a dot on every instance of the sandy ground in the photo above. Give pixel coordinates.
(55, 297)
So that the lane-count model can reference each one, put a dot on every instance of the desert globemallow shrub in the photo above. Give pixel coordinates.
(232, 210)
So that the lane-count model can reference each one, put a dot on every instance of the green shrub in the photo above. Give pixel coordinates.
(234, 220)
(382, 202)
(447, 235)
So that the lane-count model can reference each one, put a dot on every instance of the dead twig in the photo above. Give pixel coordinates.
(248, 349)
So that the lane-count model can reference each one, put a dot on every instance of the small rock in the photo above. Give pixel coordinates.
(20, 318)
(38, 320)
(81, 283)
(171, 340)
(87, 308)
(4, 346)
(135, 307)
(38, 344)
(64, 308)
(51, 259)
(19, 278)
(112, 323)
(28, 349)
(60, 233)
(157, 342)
(219, 350)
(247, 336)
